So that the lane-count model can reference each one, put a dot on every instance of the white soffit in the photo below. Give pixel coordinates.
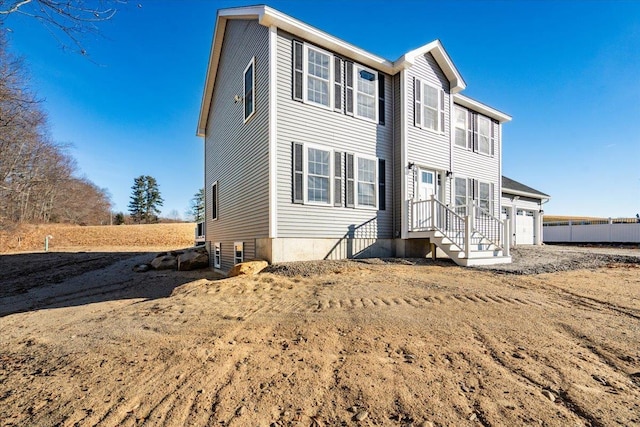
(481, 108)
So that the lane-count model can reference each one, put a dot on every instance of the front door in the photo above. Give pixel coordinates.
(426, 184)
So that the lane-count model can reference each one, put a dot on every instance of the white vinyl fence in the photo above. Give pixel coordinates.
(617, 230)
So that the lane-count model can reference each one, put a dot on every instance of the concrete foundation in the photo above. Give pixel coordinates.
(299, 249)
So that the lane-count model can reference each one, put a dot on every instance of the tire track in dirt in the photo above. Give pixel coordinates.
(422, 302)
(515, 372)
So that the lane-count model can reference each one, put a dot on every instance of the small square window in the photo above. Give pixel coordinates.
(238, 252)
(216, 255)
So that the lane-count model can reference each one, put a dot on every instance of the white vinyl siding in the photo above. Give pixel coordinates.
(249, 89)
(461, 126)
(366, 93)
(318, 72)
(366, 182)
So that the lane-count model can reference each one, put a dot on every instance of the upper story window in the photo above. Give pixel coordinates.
(318, 72)
(484, 135)
(366, 93)
(474, 131)
(461, 118)
(249, 89)
(329, 81)
(428, 106)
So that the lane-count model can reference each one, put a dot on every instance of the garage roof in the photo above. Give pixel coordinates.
(514, 187)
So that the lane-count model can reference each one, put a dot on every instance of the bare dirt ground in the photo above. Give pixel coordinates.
(551, 340)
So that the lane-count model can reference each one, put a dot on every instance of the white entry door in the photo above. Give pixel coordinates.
(426, 184)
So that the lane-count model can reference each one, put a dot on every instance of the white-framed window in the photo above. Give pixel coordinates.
(461, 126)
(216, 255)
(318, 173)
(318, 72)
(238, 252)
(249, 84)
(366, 181)
(484, 196)
(214, 201)
(484, 135)
(429, 106)
(461, 191)
(366, 88)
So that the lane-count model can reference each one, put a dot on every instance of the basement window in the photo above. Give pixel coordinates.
(216, 255)
(238, 252)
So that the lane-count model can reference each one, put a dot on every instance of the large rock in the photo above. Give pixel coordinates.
(193, 259)
(248, 268)
(164, 262)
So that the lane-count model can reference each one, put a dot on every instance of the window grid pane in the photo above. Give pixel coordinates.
(318, 73)
(484, 135)
(366, 94)
(318, 175)
(366, 182)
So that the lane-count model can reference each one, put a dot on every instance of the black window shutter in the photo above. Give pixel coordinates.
(214, 201)
(381, 109)
(298, 174)
(337, 179)
(348, 80)
(337, 84)
(349, 181)
(297, 71)
(493, 137)
(417, 106)
(382, 190)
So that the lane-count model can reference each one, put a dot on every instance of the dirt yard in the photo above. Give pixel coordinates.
(552, 340)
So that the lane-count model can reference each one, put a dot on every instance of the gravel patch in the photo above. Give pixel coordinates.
(551, 258)
(525, 260)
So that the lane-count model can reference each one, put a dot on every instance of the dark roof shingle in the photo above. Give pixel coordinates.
(510, 184)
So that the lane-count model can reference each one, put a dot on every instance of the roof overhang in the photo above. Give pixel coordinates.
(436, 49)
(525, 194)
(465, 101)
(268, 17)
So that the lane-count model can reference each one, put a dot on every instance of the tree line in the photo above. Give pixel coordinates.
(38, 177)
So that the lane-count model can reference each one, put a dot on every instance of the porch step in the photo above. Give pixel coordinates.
(470, 262)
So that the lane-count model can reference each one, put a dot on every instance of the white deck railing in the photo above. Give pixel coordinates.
(464, 230)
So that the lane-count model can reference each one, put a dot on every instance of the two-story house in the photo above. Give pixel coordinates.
(317, 149)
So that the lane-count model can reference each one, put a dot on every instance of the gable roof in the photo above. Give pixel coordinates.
(514, 187)
(268, 17)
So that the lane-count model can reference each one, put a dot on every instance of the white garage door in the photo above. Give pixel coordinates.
(524, 228)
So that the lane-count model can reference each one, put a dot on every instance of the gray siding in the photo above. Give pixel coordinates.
(425, 147)
(398, 167)
(237, 153)
(305, 123)
(469, 164)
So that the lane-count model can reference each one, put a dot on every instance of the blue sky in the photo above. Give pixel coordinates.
(568, 72)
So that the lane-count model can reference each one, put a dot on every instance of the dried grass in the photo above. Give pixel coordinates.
(28, 237)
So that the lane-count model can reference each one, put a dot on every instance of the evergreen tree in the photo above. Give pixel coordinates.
(145, 200)
(196, 206)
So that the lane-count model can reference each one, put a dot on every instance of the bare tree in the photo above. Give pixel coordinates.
(66, 20)
(37, 182)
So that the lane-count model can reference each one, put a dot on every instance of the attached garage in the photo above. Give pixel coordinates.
(522, 206)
